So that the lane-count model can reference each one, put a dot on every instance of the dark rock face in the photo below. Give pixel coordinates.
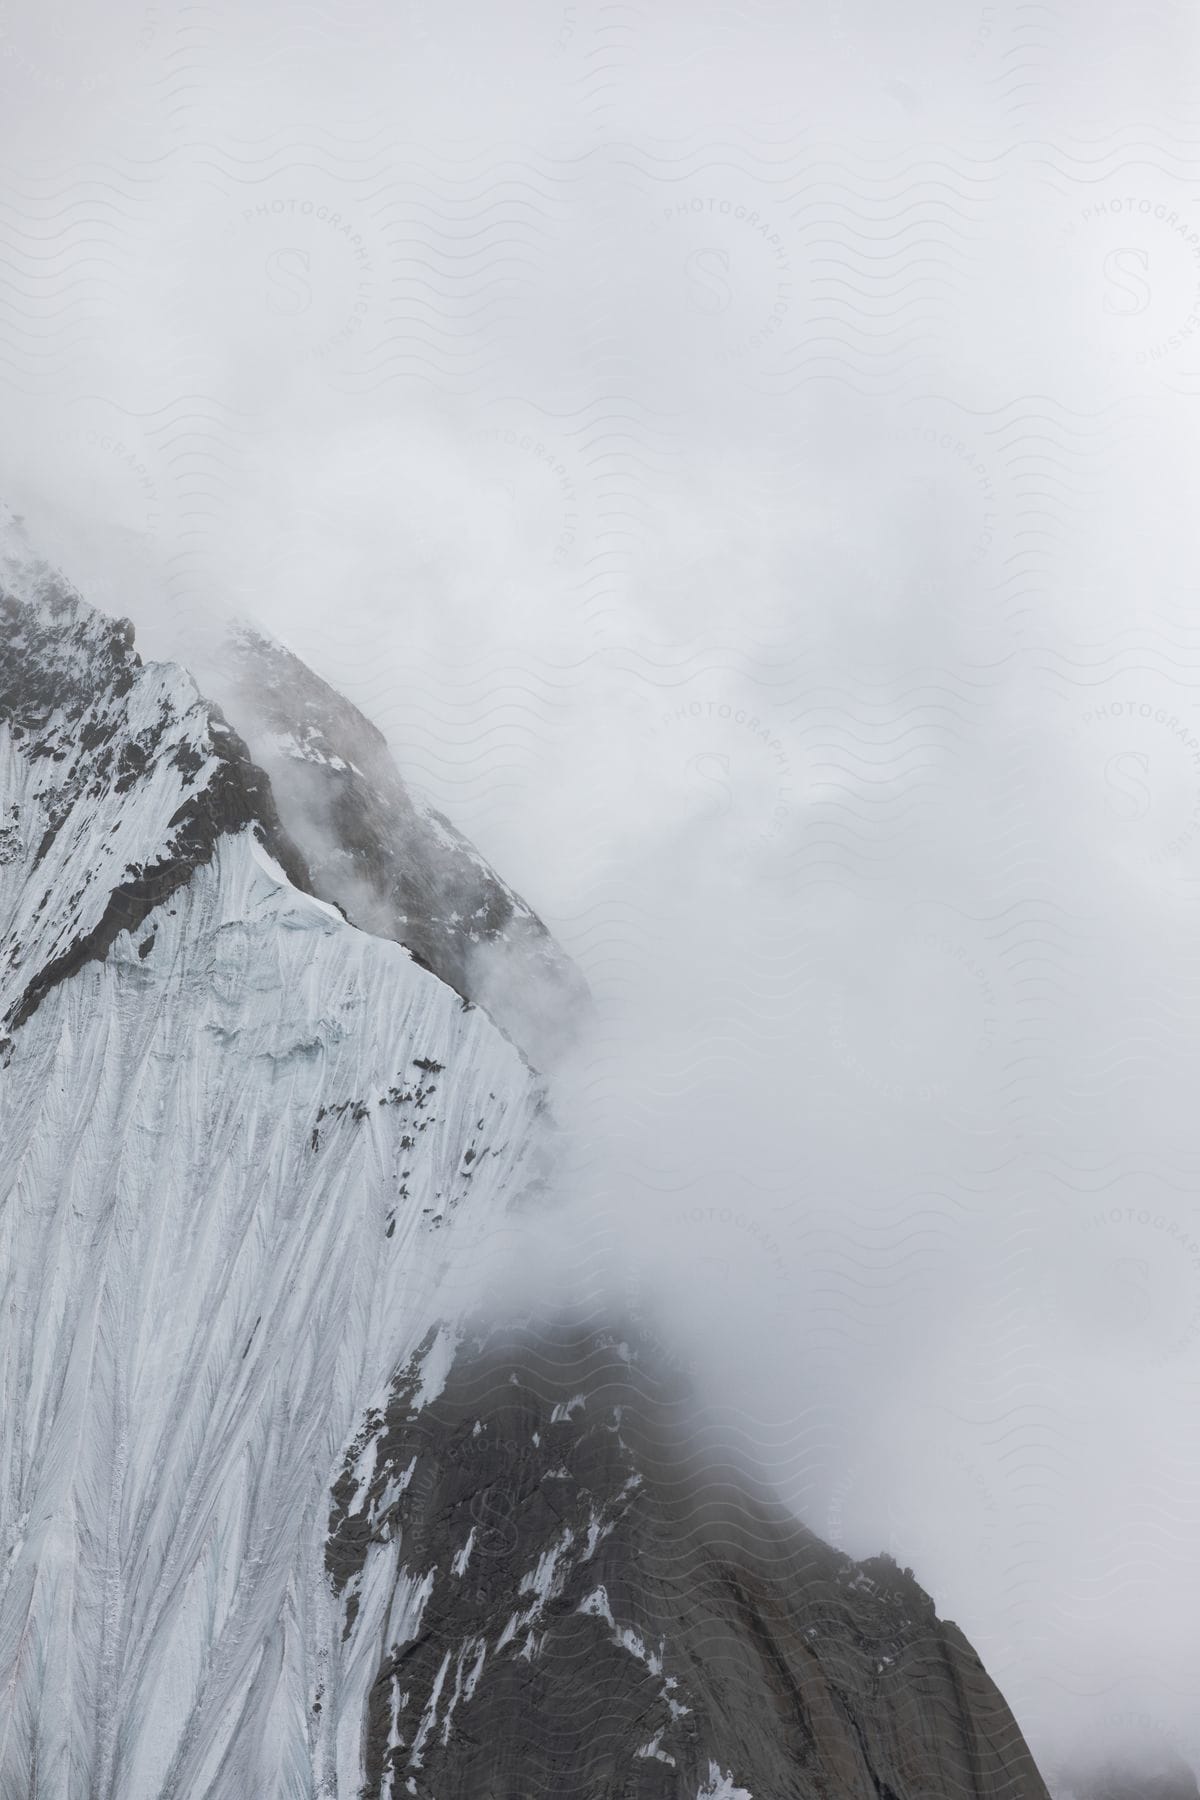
(396, 869)
(615, 1612)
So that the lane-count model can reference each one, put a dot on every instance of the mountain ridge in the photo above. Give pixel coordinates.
(69, 677)
(397, 867)
(251, 1154)
(610, 1602)
(278, 1516)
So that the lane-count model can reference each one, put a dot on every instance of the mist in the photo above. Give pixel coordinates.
(743, 460)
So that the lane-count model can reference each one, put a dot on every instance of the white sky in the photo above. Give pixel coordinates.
(578, 384)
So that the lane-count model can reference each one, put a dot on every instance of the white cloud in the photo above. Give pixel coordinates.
(744, 462)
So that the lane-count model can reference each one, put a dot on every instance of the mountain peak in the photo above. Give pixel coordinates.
(118, 780)
(395, 866)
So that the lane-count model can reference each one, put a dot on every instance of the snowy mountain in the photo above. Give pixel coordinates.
(251, 1154)
(277, 1524)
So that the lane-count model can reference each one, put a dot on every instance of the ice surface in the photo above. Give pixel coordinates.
(220, 1235)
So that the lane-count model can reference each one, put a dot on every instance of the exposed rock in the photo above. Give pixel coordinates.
(121, 781)
(611, 1607)
(397, 868)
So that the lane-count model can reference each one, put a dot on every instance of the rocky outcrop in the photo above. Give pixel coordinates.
(118, 781)
(608, 1606)
(397, 868)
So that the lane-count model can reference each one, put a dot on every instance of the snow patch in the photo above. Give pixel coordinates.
(564, 1408)
(597, 1604)
(655, 1751)
(720, 1787)
(545, 1578)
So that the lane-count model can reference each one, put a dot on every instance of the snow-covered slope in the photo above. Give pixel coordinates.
(117, 780)
(251, 1155)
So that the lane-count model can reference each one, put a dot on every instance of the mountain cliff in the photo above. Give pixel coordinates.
(599, 1601)
(395, 866)
(277, 1520)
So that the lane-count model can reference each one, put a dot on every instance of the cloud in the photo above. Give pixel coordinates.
(743, 461)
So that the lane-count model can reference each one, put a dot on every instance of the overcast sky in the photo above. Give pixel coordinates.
(744, 457)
